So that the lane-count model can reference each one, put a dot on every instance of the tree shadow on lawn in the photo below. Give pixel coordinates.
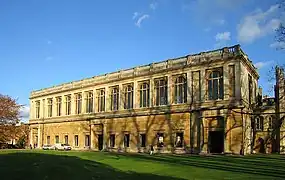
(47, 166)
(224, 163)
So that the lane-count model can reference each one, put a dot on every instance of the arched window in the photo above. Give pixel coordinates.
(180, 90)
(101, 100)
(115, 98)
(144, 94)
(78, 102)
(128, 104)
(215, 84)
(161, 91)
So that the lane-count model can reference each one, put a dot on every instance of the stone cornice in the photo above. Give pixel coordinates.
(202, 58)
(182, 108)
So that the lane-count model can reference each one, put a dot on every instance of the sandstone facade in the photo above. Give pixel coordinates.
(192, 104)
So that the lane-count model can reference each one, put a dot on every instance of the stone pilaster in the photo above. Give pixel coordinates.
(169, 90)
(39, 136)
(121, 97)
(226, 82)
(73, 106)
(107, 99)
(189, 87)
(151, 92)
(83, 102)
(203, 85)
(63, 112)
(135, 95)
(54, 107)
(92, 137)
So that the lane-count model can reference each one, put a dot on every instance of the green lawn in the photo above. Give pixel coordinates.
(32, 164)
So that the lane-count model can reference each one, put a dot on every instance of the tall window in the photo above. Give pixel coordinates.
(76, 140)
(115, 98)
(144, 94)
(78, 103)
(215, 84)
(48, 139)
(143, 140)
(50, 107)
(259, 124)
(68, 104)
(129, 94)
(250, 89)
(66, 139)
(89, 102)
(101, 100)
(38, 104)
(56, 139)
(127, 140)
(161, 91)
(58, 106)
(180, 90)
(112, 140)
(87, 140)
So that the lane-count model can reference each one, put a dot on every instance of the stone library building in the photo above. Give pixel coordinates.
(189, 104)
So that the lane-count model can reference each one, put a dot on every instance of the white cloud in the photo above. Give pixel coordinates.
(278, 45)
(225, 36)
(222, 38)
(141, 19)
(135, 15)
(257, 24)
(153, 6)
(25, 113)
(262, 64)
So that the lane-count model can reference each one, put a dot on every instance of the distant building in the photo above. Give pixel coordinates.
(198, 103)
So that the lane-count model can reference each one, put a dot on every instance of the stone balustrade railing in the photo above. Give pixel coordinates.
(145, 69)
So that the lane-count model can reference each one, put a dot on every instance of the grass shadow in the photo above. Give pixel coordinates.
(29, 165)
(244, 165)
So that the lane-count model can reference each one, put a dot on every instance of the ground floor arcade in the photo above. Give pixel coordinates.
(187, 132)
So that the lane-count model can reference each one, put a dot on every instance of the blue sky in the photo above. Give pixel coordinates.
(48, 42)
